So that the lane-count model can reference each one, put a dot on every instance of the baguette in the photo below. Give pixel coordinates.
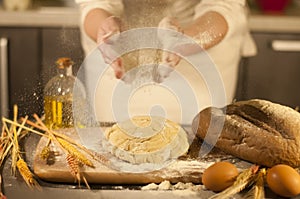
(258, 131)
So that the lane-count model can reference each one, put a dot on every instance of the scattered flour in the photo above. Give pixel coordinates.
(179, 188)
(165, 185)
(151, 186)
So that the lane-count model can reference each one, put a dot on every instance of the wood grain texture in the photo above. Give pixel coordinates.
(186, 169)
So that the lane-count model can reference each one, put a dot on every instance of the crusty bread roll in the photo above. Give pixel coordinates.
(256, 130)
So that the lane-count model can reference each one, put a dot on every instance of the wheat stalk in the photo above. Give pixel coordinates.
(5, 120)
(5, 143)
(15, 149)
(2, 196)
(13, 144)
(257, 191)
(45, 153)
(97, 157)
(74, 165)
(43, 127)
(26, 173)
(3, 138)
(240, 183)
(74, 152)
(17, 162)
(66, 145)
(60, 139)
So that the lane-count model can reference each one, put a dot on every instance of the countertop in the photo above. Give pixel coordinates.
(15, 187)
(69, 17)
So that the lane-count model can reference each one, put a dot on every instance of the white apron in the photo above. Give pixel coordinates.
(189, 88)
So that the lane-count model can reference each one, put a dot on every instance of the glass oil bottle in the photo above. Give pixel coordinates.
(58, 96)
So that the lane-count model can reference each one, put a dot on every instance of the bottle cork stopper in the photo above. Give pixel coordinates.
(64, 62)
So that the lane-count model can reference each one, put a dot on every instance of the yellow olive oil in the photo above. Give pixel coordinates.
(58, 111)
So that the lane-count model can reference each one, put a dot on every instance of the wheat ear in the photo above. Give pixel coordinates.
(240, 183)
(45, 153)
(75, 152)
(75, 166)
(26, 173)
(257, 191)
(42, 127)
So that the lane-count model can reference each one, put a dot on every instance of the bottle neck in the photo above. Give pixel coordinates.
(66, 71)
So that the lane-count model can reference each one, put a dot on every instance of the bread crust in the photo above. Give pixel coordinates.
(258, 131)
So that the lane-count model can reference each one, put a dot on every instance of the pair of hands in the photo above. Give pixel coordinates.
(112, 26)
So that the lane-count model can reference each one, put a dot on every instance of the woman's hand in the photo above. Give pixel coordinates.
(109, 27)
(168, 33)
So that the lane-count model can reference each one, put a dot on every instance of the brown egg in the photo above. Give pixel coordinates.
(284, 180)
(219, 176)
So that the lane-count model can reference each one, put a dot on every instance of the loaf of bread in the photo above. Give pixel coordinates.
(258, 131)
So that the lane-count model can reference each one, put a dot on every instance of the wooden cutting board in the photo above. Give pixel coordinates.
(186, 169)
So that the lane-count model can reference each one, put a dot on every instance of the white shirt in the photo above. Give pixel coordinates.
(225, 55)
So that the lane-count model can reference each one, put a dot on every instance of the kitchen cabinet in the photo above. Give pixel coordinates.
(23, 66)
(30, 59)
(274, 73)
